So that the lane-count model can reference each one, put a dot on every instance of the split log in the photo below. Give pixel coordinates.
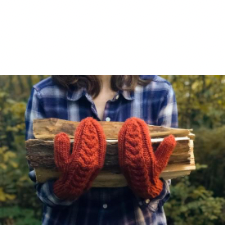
(40, 151)
(48, 128)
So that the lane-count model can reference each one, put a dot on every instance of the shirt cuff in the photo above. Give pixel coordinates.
(46, 194)
(164, 195)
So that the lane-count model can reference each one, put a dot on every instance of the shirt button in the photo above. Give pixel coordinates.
(107, 119)
(105, 206)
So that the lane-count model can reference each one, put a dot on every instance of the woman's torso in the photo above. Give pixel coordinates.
(104, 206)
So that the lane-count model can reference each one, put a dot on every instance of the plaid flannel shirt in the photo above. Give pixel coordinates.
(154, 103)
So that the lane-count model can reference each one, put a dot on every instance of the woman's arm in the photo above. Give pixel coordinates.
(44, 191)
(168, 117)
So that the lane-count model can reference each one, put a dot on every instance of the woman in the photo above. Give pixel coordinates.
(106, 98)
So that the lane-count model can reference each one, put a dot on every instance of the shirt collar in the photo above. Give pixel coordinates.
(75, 94)
(129, 95)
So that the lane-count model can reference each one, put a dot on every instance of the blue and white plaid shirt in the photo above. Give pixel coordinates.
(154, 103)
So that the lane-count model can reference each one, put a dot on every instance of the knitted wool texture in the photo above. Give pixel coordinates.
(139, 164)
(79, 168)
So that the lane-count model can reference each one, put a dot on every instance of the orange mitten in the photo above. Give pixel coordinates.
(79, 169)
(139, 164)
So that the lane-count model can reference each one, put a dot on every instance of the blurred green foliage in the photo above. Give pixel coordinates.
(200, 99)
(199, 198)
(193, 204)
(18, 203)
(195, 199)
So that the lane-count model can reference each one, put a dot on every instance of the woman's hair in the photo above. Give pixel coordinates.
(93, 84)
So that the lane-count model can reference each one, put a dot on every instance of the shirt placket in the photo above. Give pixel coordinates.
(106, 116)
(93, 108)
(105, 201)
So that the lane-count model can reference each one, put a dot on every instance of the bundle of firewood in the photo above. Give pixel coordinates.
(40, 151)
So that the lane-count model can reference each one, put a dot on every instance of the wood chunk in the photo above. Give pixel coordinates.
(48, 128)
(108, 179)
(40, 151)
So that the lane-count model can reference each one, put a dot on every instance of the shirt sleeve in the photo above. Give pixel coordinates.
(168, 114)
(168, 117)
(44, 191)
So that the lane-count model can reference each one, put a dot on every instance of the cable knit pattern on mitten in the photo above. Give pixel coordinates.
(139, 164)
(85, 162)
